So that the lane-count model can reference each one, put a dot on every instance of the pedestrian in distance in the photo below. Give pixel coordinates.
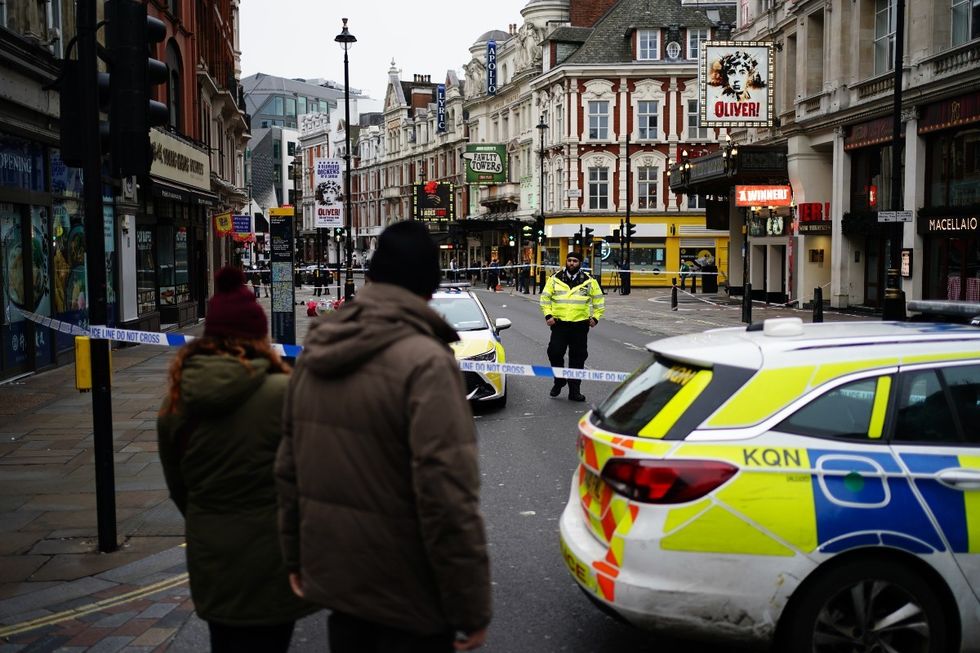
(572, 303)
(317, 281)
(379, 488)
(524, 278)
(266, 276)
(685, 272)
(218, 432)
(493, 276)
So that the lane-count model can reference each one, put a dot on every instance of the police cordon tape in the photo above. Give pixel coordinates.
(179, 340)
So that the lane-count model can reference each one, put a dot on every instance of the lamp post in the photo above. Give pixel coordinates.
(346, 41)
(541, 127)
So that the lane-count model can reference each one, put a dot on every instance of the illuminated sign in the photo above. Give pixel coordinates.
(491, 67)
(763, 195)
(441, 108)
(433, 201)
(736, 84)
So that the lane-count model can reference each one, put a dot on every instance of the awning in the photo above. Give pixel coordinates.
(182, 194)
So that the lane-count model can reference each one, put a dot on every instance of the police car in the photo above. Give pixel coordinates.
(479, 339)
(813, 486)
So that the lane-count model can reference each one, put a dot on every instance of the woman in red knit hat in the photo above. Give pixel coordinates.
(218, 430)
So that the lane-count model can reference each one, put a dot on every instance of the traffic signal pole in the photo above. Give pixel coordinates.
(105, 490)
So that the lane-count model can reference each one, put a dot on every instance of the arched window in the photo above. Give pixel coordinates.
(174, 91)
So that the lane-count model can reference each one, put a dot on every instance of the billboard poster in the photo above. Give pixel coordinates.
(441, 108)
(491, 67)
(486, 163)
(736, 84)
(328, 193)
(242, 228)
(433, 201)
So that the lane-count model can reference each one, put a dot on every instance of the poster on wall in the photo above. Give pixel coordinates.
(328, 193)
(433, 201)
(486, 163)
(736, 84)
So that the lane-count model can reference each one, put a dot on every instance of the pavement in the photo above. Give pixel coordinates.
(59, 593)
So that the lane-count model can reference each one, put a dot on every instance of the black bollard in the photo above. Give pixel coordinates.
(747, 303)
(694, 284)
(673, 297)
(818, 304)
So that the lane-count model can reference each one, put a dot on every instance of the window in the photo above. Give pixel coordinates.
(647, 44)
(277, 106)
(646, 187)
(695, 202)
(598, 120)
(844, 412)
(174, 94)
(301, 105)
(923, 409)
(598, 188)
(694, 39)
(277, 149)
(290, 148)
(885, 17)
(277, 172)
(290, 106)
(324, 106)
(966, 20)
(647, 113)
(694, 131)
(964, 389)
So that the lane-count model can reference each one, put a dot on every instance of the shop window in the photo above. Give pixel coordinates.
(646, 187)
(954, 169)
(598, 188)
(598, 120)
(885, 21)
(173, 276)
(644, 255)
(965, 20)
(647, 44)
(146, 271)
(647, 117)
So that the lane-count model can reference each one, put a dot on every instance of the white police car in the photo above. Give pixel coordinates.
(816, 486)
(479, 339)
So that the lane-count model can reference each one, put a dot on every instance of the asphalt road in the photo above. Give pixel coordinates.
(527, 456)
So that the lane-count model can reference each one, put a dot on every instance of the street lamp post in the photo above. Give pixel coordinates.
(541, 127)
(346, 41)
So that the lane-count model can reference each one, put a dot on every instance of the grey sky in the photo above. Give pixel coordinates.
(294, 38)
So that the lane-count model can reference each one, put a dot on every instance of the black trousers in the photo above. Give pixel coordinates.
(349, 634)
(250, 639)
(573, 337)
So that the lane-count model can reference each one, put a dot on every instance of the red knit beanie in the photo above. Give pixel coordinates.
(233, 311)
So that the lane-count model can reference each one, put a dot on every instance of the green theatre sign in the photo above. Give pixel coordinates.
(486, 163)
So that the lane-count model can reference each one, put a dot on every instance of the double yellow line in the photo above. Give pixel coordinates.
(74, 613)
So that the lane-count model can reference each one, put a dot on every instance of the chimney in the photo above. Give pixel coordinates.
(585, 13)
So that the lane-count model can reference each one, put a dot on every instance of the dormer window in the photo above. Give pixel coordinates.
(647, 44)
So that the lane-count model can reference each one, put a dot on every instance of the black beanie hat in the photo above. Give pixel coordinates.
(575, 254)
(408, 257)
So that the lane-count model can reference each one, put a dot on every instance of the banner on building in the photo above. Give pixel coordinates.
(736, 84)
(328, 193)
(223, 223)
(486, 163)
(433, 201)
(491, 67)
(441, 108)
(242, 228)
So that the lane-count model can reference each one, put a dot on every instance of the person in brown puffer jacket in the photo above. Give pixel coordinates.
(377, 471)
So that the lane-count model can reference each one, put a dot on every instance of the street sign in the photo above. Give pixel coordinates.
(573, 193)
(895, 216)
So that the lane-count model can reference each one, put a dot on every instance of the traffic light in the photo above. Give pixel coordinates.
(132, 74)
(577, 240)
(630, 230)
(539, 228)
(510, 239)
(615, 236)
(527, 230)
(588, 234)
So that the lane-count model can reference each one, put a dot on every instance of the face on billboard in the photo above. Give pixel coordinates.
(736, 85)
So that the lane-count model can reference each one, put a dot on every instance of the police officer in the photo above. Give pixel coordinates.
(572, 303)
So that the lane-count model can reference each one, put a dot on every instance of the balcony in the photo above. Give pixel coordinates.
(510, 192)
(878, 85)
(960, 58)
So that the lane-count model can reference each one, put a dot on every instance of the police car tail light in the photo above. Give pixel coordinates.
(666, 481)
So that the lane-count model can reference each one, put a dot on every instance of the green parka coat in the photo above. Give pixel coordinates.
(220, 474)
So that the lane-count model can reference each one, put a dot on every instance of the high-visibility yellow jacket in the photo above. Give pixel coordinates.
(572, 301)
